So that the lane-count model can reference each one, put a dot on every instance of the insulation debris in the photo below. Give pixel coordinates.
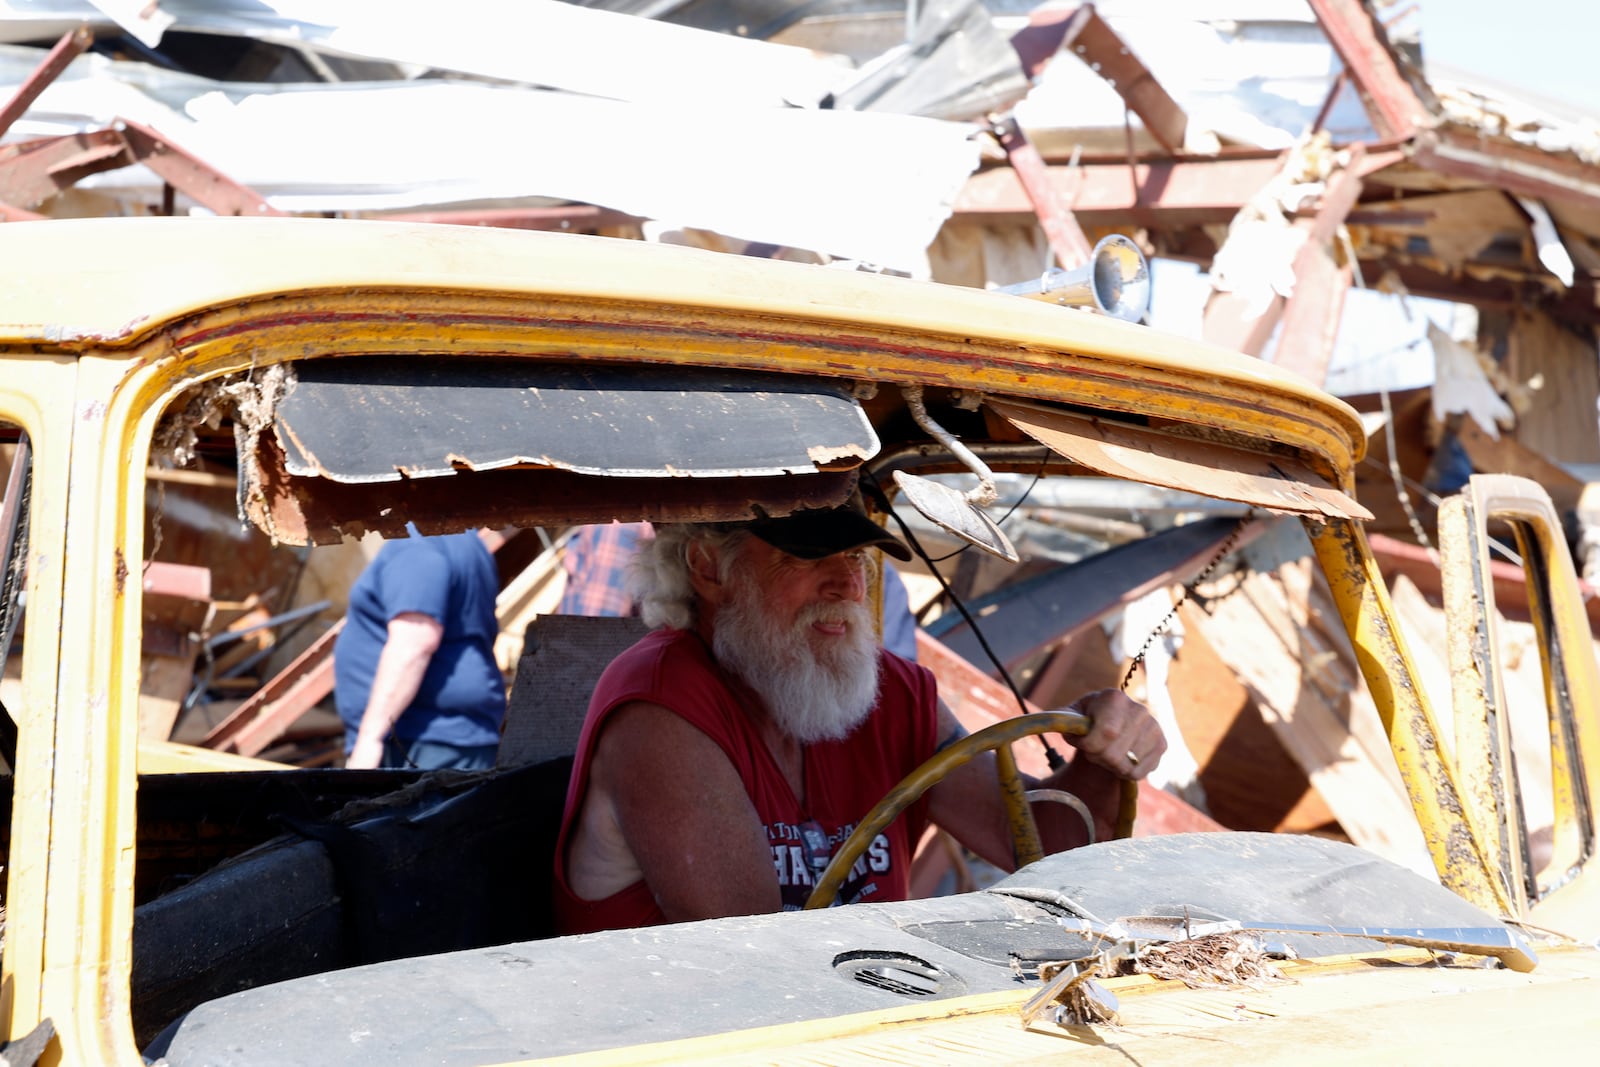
(1211, 961)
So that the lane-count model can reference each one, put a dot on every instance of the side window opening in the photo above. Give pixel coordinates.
(16, 467)
(226, 612)
(1558, 768)
(1525, 680)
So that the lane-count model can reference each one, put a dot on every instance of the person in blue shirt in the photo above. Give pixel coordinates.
(415, 677)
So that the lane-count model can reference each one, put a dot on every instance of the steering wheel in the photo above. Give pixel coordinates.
(996, 737)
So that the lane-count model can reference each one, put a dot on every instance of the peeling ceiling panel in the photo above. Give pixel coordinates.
(1277, 483)
(365, 420)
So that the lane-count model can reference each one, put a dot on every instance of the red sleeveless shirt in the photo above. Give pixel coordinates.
(844, 779)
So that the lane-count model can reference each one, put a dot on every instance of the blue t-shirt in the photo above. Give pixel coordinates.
(451, 579)
(899, 625)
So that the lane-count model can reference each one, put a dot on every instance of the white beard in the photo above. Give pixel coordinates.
(813, 697)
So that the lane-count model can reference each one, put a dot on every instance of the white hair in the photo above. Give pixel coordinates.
(813, 695)
(658, 576)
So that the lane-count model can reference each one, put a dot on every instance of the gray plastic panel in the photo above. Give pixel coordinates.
(368, 419)
(620, 988)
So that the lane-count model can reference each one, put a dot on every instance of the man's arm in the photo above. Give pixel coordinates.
(967, 802)
(664, 803)
(412, 640)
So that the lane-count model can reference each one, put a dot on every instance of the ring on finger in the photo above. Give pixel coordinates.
(1133, 759)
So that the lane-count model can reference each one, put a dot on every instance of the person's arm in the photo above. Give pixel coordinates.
(967, 802)
(681, 810)
(412, 640)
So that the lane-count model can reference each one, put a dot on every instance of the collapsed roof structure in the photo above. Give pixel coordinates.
(1293, 148)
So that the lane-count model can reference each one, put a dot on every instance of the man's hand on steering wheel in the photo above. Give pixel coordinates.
(1124, 739)
(1118, 739)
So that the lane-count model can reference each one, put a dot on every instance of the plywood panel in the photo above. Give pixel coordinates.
(1250, 781)
(1560, 422)
(1302, 674)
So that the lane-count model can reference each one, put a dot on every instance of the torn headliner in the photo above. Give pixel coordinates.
(380, 419)
(369, 443)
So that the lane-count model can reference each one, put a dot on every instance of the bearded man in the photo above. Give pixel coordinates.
(730, 752)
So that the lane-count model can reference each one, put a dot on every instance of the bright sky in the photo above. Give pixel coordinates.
(1551, 47)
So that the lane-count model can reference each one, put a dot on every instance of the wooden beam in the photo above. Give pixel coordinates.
(1508, 166)
(1314, 312)
(1392, 105)
(31, 172)
(1079, 29)
(1049, 28)
(174, 608)
(1067, 239)
(191, 175)
(1502, 290)
(978, 700)
(285, 697)
(1396, 558)
(1312, 315)
(1274, 633)
(1166, 192)
(561, 217)
(1226, 318)
(68, 48)
(1083, 32)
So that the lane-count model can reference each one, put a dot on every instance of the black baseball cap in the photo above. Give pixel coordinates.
(812, 533)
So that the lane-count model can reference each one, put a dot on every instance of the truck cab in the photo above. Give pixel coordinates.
(347, 377)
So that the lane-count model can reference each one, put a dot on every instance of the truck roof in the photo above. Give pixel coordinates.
(120, 280)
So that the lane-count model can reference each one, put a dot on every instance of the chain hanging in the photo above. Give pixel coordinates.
(1160, 628)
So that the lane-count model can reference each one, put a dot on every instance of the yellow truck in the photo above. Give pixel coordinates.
(358, 376)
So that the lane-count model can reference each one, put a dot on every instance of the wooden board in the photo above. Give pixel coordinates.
(1302, 673)
(1503, 455)
(1250, 780)
(1559, 423)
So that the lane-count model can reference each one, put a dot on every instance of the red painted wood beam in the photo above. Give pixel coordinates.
(192, 176)
(72, 43)
(1186, 192)
(1510, 581)
(978, 700)
(1080, 30)
(1314, 271)
(285, 697)
(1049, 28)
(31, 172)
(1067, 239)
(1098, 45)
(10, 213)
(1392, 104)
(1508, 166)
(561, 217)
(1311, 317)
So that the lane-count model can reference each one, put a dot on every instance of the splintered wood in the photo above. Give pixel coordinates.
(1210, 961)
(1071, 991)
